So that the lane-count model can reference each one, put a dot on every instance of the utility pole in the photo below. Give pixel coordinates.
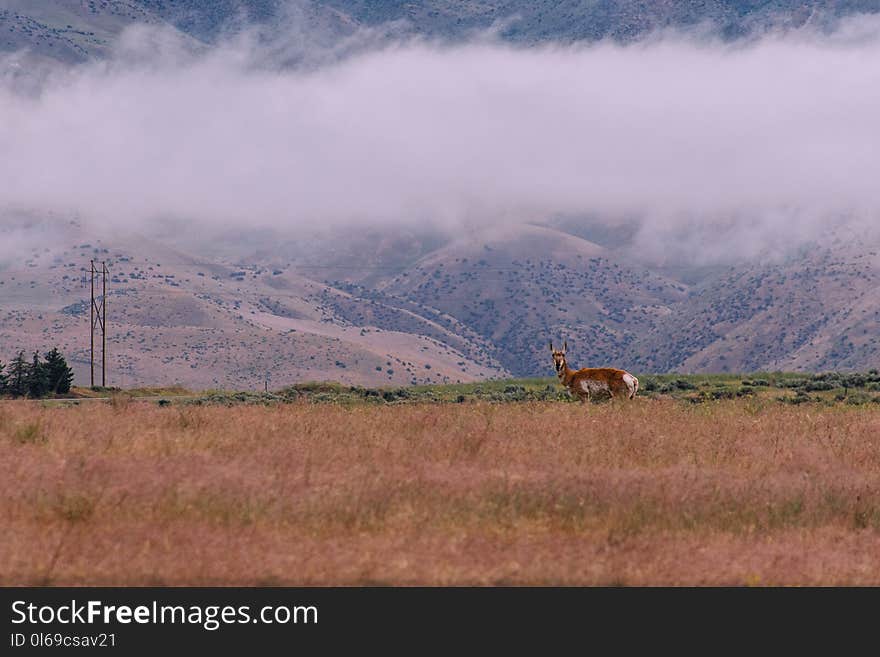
(99, 319)
(104, 325)
(92, 323)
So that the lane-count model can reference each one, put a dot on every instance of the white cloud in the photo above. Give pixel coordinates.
(769, 137)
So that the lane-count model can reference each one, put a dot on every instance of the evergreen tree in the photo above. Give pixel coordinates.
(18, 374)
(37, 382)
(58, 375)
(4, 379)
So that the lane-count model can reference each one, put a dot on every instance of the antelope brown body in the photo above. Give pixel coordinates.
(590, 381)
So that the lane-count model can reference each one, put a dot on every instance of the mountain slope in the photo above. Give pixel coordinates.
(174, 318)
(572, 20)
(475, 305)
(519, 287)
(68, 30)
(817, 311)
(76, 30)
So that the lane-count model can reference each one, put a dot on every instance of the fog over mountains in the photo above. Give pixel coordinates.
(383, 192)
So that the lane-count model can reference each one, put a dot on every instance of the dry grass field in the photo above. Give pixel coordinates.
(656, 492)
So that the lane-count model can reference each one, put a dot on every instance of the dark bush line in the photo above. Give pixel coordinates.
(337, 393)
(868, 381)
(834, 380)
(688, 389)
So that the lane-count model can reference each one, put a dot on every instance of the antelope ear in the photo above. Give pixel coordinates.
(565, 346)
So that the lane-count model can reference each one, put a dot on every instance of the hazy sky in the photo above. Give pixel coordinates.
(716, 147)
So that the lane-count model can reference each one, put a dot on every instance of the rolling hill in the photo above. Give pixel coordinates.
(78, 30)
(174, 318)
(816, 311)
(428, 309)
(68, 30)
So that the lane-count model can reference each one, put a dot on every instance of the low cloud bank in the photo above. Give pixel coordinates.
(718, 149)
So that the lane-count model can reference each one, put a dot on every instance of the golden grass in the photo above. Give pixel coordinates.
(651, 492)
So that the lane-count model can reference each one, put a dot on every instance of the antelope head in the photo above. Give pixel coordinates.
(559, 357)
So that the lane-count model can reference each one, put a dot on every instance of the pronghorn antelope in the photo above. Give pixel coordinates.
(591, 380)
